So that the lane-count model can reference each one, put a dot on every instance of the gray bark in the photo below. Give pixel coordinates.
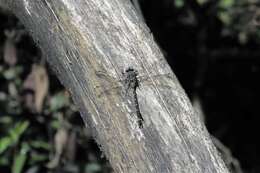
(91, 44)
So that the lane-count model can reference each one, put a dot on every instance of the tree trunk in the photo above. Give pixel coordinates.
(126, 92)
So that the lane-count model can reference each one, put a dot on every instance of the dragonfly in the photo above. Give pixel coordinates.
(130, 82)
(110, 84)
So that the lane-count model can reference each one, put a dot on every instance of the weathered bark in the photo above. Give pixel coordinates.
(91, 44)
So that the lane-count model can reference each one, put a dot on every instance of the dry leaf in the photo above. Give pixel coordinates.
(10, 51)
(60, 141)
(29, 96)
(12, 90)
(41, 86)
(38, 82)
(71, 146)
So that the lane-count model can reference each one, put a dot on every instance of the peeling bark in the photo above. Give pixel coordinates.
(90, 44)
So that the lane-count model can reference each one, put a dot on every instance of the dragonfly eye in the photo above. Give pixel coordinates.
(131, 72)
(129, 69)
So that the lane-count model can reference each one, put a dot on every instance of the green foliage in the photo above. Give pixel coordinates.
(201, 2)
(92, 168)
(5, 120)
(13, 137)
(179, 3)
(225, 4)
(39, 144)
(23, 146)
(240, 18)
(12, 73)
(58, 101)
(224, 11)
(5, 142)
(20, 158)
(18, 130)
